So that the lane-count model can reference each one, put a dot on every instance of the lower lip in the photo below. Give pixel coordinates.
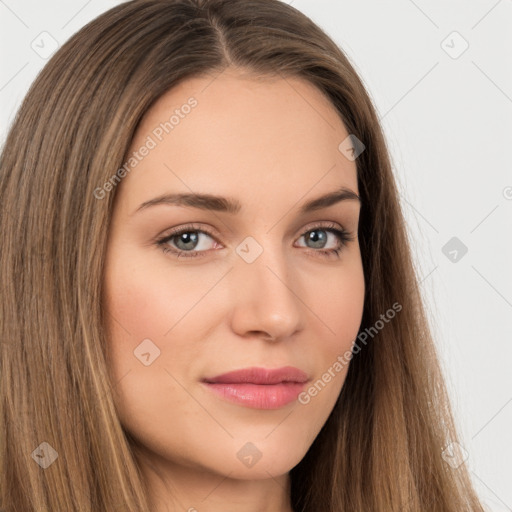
(258, 396)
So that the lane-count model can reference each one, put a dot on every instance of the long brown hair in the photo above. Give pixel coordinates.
(380, 449)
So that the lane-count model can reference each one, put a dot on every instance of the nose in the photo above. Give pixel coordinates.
(266, 300)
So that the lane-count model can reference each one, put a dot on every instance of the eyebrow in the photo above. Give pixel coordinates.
(233, 206)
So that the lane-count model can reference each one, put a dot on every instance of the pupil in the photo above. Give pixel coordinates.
(314, 237)
(188, 238)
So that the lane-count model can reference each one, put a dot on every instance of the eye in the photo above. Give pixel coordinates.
(190, 241)
(317, 235)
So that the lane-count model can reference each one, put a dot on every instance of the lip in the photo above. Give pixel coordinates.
(259, 388)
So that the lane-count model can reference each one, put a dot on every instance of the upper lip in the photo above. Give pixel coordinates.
(255, 375)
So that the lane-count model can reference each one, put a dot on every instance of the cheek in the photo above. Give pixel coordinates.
(339, 306)
(149, 301)
(154, 308)
(163, 304)
(147, 315)
(143, 312)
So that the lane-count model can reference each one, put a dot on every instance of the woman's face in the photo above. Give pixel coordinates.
(238, 289)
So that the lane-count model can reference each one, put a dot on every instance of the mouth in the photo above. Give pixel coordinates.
(259, 388)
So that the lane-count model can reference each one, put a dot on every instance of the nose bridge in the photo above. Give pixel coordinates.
(266, 300)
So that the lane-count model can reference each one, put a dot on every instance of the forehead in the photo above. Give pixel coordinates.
(243, 134)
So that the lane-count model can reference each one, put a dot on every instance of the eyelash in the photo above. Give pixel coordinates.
(343, 235)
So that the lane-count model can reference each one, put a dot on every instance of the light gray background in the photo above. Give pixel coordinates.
(448, 121)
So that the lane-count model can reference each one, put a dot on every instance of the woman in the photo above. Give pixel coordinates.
(171, 341)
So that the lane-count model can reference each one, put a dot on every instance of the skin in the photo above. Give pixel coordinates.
(272, 144)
